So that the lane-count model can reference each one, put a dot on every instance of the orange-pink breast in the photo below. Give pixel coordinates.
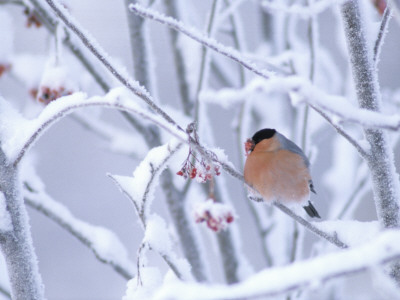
(278, 175)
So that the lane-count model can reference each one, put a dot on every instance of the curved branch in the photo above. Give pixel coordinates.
(65, 105)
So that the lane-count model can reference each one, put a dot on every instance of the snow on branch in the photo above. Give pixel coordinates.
(201, 38)
(19, 134)
(104, 243)
(281, 280)
(104, 58)
(383, 29)
(140, 190)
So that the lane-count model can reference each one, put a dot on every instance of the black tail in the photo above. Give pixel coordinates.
(311, 211)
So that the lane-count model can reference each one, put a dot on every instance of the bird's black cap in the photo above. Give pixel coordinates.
(263, 134)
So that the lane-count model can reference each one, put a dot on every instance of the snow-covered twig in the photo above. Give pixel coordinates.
(115, 99)
(381, 34)
(281, 280)
(330, 238)
(104, 243)
(65, 105)
(359, 189)
(203, 75)
(140, 48)
(199, 37)
(149, 170)
(51, 23)
(386, 186)
(103, 57)
(361, 150)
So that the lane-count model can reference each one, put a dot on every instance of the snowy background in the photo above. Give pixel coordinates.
(72, 162)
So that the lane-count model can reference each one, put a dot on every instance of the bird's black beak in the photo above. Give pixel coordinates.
(249, 146)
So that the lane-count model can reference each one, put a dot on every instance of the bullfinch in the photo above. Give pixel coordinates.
(278, 169)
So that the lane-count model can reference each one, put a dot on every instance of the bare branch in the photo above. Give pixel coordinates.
(199, 37)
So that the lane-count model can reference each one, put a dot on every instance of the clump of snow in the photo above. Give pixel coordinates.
(216, 215)
(5, 219)
(158, 237)
(140, 188)
(144, 285)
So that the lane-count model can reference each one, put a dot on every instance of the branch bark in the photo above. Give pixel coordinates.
(16, 244)
(386, 186)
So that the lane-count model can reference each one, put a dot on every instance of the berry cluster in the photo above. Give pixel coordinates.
(48, 94)
(200, 170)
(32, 19)
(217, 216)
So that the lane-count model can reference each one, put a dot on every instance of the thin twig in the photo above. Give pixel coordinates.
(103, 57)
(204, 61)
(330, 238)
(363, 152)
(60, 219)
(204, 40)
(181, 71)
(354, 195)
(382, 33)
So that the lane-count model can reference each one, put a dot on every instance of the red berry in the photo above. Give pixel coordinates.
(229, 219)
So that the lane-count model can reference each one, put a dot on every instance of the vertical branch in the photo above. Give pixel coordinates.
(175, 199)
(172, 10)
(203, 64)
(139, 47)
(16, 244)
(386, 186)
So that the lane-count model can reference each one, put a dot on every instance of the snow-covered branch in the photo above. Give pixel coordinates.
(280, 280)
(21, 134)
(383, 28)
(104, 58)
(105, 244)
(140, 190)
(201, 38)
